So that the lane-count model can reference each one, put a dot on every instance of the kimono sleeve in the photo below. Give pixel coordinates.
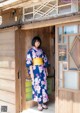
(28, 59)
(45, 59)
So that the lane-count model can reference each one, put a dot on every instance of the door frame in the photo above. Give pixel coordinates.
(66, 22)
(18, 71)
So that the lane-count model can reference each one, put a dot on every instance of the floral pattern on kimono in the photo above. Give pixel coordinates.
(39, 86)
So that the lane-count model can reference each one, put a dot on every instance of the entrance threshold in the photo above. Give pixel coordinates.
(51, 109)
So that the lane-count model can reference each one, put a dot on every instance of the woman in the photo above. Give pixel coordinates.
(37, 64)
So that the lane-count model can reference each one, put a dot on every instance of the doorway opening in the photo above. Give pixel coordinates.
(47, 35)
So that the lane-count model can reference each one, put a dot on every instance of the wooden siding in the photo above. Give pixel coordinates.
(7, 70)
(11, 16)
(11, 107)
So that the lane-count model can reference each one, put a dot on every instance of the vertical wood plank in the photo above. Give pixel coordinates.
(76, 103)
(56, 70)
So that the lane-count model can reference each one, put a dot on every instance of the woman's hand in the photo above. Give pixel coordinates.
(47, 73)
(32, 77)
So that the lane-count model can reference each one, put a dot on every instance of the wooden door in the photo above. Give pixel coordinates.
(68, 68)
(8, 75)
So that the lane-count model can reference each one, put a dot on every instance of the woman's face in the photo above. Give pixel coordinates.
(37, 44)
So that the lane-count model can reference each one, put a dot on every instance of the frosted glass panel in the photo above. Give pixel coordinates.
(71, 80)
(29, 16)
(65, 39)
(74, 6)
(29, 10)
(64, 10)
(60, 84)
(79, 28)
(59, 36)
(59, 39)
(60, 30)
(65, 65)
(60, 70)
(70, 29)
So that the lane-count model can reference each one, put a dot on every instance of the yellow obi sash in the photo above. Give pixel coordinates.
(37, 61)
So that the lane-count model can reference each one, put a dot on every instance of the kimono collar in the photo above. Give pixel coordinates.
(35, 48)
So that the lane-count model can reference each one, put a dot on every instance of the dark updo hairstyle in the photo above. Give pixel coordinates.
(36, 38)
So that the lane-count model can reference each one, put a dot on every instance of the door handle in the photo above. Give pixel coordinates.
(19, 75)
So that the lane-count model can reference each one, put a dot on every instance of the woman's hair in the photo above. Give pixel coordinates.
(36, 38)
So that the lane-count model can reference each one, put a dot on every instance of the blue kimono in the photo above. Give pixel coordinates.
(39, 86)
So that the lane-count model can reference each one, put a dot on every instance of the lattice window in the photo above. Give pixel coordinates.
(48, 9)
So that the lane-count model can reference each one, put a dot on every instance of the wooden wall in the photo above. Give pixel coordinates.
(7, 70)
(11, 17)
